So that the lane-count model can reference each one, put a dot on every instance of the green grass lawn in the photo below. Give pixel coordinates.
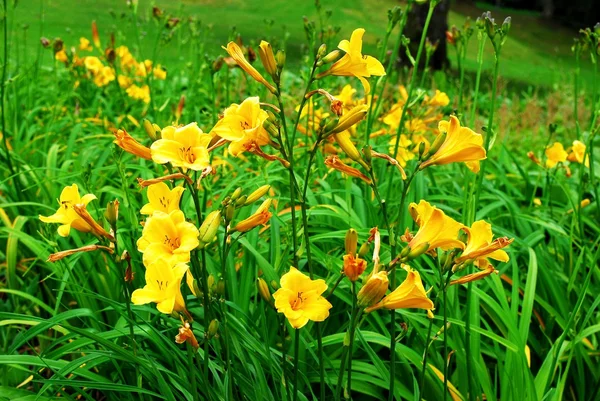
(535, 53)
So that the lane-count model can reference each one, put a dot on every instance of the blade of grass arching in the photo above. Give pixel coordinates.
(12, 246)
(112, 387)
(28, 297)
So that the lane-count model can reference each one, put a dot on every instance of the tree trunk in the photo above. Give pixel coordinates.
(436, 32)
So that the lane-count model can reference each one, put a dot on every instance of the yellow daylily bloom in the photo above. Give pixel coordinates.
(353, 63)
(139, 93)
(162, 199)
(350, 118)
(124, 81)
(66, 215)
(236, 53)
(409, 294)
(104, 76)
(93, 64)
(440, 99)
(578, 153)
(84, 44)
(130, 145)
(461, 144)
(159, 73)
(346, 96)
(300, 300)
(436, 230)
(169, 237)
(555, 154)
(61, 56)
(162, 287)
(242, 125)
(480, 245)
(185, 147)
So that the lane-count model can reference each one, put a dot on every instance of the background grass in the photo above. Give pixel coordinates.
(536, 52)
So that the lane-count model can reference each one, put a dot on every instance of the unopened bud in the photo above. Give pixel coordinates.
(256, 195)
(373, 290)
(112, 212)
(213, 328)
(364, 249)
(229, 211)
(208, 229)
(280, 59)
(331, 56)
(351, 242)
(418, 251)
(221, 287)
(263, 290)
(321, 51)
(506, 25)
(151, 130)
(437, 143)
(265, 52)
(236, 194)
(241, 201)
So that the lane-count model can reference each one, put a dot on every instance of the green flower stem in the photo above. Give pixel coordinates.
(481, 37)
(426, 351)
(411, 88)
(355, 313)
(190, 355)
(296, 362)
(445, 354)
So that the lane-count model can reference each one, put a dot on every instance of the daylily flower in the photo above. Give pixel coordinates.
(186, 335)
(461, 144)
(93, 64)
(66, 215)
(236, 53)
(335, 163)
(353, 63)
(161, 198)
(139, 93)
(169, 237)
(260, 217)
(104, 76)
(436, 230)
(410, 294)
(480, 245)
(162, 286)
(578, 153)
(353, 267)
(130, 145)
(300, 300)
(555, 154)
(242, 125)
(84, 44)
(185, 147)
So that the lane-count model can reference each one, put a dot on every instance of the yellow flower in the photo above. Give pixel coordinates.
(374, 289)
(555, 154)
(124, 81)
(346, 96)
(300, 300)
(185, 147)
(439, 99)
(353, 63)
(130, 145)
(260, 217)
(61, 56)
(236, 53)
(84, 44)
(127, 60)
(335, 163)
(139, 93)
(578, 153)
(351, 118)
(162, 199)
(66, 215)
(436, 230)
(461, 144)
(267, 58)
(242, 125)
(93, 64)
(103, 76)
(353, 267)
(410, 294)
(162, 287)
(169, 237)
(159, 73)
(480, 245)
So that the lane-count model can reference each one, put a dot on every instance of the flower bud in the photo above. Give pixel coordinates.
(112, 212)
(331, 56)
(435, 146)
(45, 42)
(208, 229)
(321, 51)
(280, 59)
(213, 328)
(353, 267)
(418, 251)
(265, 52)
(506, 25)
(229, 211)
(364, 249)
(350, 118)
(210, 283)
(220, 287)
(374, 289)
(256, 195)
(241, 201)
(236, 194)
(263, 290)
(151, 130)
(343, 139)
(351, 242)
